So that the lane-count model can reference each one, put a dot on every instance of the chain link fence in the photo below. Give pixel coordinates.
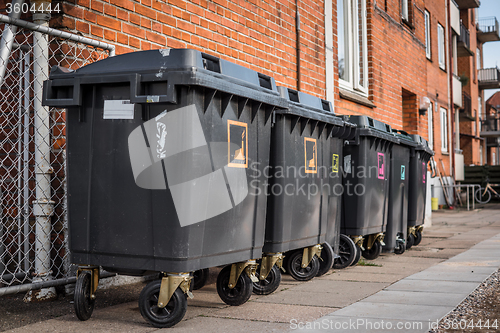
(22, 138)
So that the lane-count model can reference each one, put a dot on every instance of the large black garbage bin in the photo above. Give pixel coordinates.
(366, 184)
(397, 219)
(162, 148)
(417, 189)
(306, 148)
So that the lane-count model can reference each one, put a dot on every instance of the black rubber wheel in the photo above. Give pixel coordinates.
(418, 238)
(84, 305)
(410, 240)
(374, 252)
(347, 253)
(326, 261)
(240, 294)
(357, 257)
(295, 267)
(400, 247)
(269, 284)
(200, 278)
(168, 316)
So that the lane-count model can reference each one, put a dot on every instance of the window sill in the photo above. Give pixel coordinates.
(443, 69)
(354, 97)
(445, 153)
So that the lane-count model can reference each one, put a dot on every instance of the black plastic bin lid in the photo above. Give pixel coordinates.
(313, 108)
(405, 139)
(176, 66)
(422, 144)
(368, 126)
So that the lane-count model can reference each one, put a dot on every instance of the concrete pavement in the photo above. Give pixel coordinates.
(421, 286)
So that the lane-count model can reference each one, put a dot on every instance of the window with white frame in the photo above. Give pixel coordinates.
(430, 125)
(441, 50)
(352, 45)
(480, 107)
(428, 34)
(444, 130)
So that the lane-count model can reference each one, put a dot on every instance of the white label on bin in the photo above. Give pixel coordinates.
(347, 164)
(118, 109)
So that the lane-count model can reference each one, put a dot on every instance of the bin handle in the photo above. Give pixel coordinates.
(135, 88)
(48, 90)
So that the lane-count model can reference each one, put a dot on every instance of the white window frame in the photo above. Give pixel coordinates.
(404, 10)
(441, 47)
(478, 58)
(444, 130)
(430, 125)
(428, 35)
(352, 50)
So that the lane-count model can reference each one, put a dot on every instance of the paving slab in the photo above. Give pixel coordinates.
(352, 276)
(272, 312)
(218, 325)
(364, 325)
(433, 286)
(415, 297)
(393, 311)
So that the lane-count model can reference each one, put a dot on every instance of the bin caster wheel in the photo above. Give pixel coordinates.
(347, 252)
(295, 267)
(400, 247)
(326, 261)
(410, 241)
(200, 278)
(84, 304)
(374, 252)
(357, 257)
(269, 284)
(240, 294)
(168, 316)
(418, 238)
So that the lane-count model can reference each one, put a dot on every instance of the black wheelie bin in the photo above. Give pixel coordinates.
(397, 219)
(162, 147)
(417, 190)
(305, 139)
(366, 185)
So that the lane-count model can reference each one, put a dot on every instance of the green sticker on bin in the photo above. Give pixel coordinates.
(403, 168)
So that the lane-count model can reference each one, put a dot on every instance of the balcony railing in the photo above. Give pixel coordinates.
(466, 4)
(489, 78)
(490, 124)
(463, 42)
(488, 29)
(466, 110)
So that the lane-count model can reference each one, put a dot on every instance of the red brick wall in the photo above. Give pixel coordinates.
(257, 34)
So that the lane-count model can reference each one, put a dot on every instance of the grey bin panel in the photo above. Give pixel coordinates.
(397, 219)
(367, 169)
(418, 181)
(306, 131)
(180, 186)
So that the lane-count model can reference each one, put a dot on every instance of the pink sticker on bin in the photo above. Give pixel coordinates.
(424, 171)
(381, 165)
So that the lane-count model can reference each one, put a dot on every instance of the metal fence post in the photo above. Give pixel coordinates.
(43, 205)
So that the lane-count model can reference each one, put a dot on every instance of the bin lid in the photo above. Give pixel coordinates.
(422, 144)
(405, 139)
(308, 106)
(176, 66)
(368, 126)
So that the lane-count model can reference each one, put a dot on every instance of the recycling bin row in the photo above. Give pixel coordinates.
(178, 161)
